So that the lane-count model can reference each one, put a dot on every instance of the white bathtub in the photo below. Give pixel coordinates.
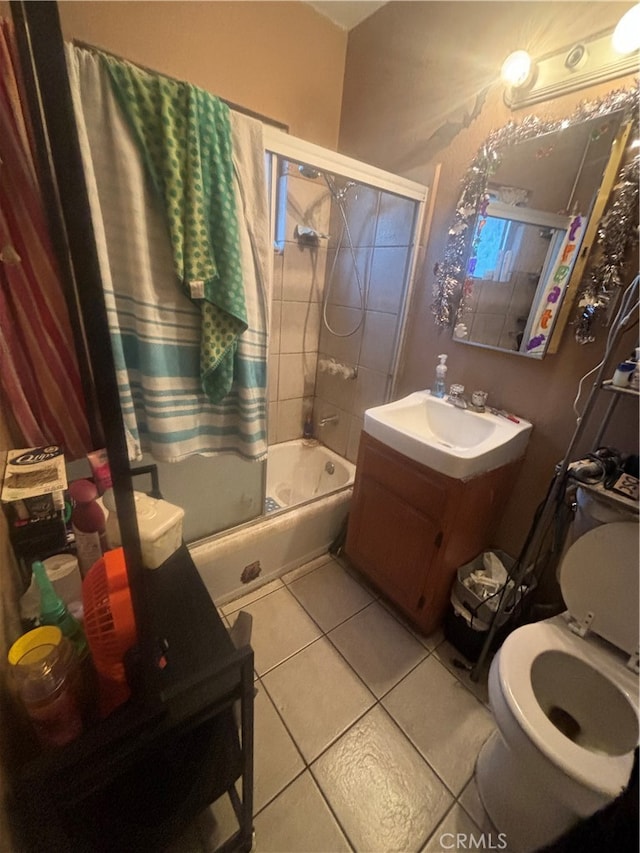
(308, 492)
(299, 471)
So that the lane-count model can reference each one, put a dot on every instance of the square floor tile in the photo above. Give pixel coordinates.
(457, 832)
(358, 576)
(433, 640)
(448, 655)
(429, 642)
(470, 800)
(329, 595)
(299, 820)
(243, 602)
(305, 568)
(384, 794)
(444, 720)
(276, 759)
(378, 647)
(280, 629)
(318, 695)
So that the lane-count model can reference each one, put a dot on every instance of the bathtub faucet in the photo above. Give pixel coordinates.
(330, 419)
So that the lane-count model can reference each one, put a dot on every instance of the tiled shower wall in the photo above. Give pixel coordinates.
(295, 309)
(381, 226)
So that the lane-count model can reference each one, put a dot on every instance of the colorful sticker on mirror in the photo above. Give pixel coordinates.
(555, 286)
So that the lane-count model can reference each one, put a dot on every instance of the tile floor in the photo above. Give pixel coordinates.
(366, 733)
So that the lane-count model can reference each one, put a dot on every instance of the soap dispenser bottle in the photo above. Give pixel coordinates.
(439, 389)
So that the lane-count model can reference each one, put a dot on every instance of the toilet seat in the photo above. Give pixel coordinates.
(599, 582)
(565, 699)
(599, 772)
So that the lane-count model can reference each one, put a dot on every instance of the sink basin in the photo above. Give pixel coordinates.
(456, 442)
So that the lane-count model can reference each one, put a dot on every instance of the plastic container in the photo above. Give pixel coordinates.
(64, 573)
(159, 526)
(44, 674)
(88, 524)
(439, 388)
(99, 462)
(623, 374)
(53, 611)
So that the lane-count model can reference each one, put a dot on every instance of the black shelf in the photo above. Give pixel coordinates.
(199, 679)
(136, 779)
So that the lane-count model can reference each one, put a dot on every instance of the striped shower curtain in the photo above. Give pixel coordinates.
(40, 390)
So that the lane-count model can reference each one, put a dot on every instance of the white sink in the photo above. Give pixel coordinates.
(456, 442)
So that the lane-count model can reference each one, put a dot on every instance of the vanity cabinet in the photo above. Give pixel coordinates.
(410, 527)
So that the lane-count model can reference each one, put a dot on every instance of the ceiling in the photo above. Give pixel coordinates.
(346, 15)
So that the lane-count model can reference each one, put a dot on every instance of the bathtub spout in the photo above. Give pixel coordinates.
(330, 419)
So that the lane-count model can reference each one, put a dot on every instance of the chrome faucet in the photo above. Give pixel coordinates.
(479, 401)
(330, 419)
(456, 397)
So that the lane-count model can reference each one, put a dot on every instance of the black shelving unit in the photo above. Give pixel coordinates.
(136, 779)
(623, 321)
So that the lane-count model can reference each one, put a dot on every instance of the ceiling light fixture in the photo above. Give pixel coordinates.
(517, 69)
(626, 36)
(586, 63)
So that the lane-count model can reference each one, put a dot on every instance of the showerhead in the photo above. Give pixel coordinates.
(308, 171)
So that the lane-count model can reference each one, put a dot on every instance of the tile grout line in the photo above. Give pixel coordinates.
(307, 766)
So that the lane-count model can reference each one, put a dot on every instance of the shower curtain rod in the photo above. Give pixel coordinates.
(239, 109)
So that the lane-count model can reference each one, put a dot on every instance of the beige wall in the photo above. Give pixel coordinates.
(283, 60)
(412, 71)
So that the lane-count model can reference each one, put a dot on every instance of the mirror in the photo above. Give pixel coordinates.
(521, 229)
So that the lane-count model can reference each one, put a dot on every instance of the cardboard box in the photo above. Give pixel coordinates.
(34, 481)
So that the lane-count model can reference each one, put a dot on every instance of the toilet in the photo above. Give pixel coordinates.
(564, 694)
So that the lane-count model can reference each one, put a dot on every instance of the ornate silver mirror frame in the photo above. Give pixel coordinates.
(454, 274)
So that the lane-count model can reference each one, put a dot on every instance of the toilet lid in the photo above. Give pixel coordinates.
(599, 575)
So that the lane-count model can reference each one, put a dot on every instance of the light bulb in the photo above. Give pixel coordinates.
(516, 69)
(626, 36)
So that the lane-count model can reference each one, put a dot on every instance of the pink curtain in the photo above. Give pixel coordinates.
(40, 385)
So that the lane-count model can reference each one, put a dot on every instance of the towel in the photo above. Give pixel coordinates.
(184, 136)
(154, 326)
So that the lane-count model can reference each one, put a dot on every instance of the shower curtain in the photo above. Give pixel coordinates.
(40, 388)
(155, 328)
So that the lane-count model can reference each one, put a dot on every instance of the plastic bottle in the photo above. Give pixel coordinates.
(112, 525)
(88, 524)
(53, 611)
(439, 389)
(623, 373)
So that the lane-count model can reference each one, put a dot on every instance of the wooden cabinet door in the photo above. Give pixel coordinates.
(392, 542)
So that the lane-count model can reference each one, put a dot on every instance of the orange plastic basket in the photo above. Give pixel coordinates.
(109, 624)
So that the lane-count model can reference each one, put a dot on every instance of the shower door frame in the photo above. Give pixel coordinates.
(281, 144)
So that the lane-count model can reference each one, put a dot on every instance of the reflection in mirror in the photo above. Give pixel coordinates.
(511, 266)
(520, 224)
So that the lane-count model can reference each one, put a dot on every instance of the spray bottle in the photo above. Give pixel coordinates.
(53, 611)
(439, 389)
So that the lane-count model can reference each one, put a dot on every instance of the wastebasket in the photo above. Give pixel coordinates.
(470, 614)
